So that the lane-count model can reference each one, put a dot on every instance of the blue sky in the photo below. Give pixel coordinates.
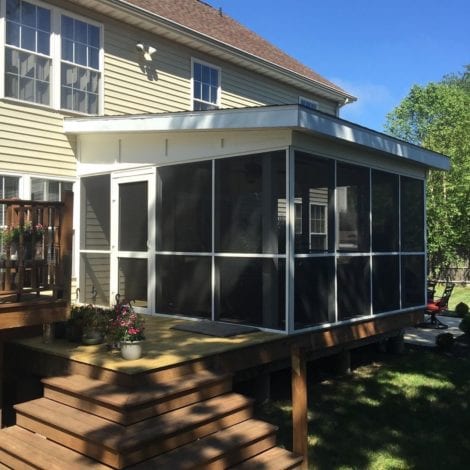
(376, 50)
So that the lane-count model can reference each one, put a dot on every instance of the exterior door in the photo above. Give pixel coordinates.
(132, 238)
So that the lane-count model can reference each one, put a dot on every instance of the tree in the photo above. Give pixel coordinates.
(437, 117)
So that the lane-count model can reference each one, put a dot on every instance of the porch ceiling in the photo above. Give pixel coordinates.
(293, 117)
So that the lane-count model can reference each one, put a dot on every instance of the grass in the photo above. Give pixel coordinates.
(459, 294)
(403, 412)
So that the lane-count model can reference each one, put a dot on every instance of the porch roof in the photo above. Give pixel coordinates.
(294, 117)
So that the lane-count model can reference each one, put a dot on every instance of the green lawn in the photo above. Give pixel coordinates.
(403, 412)
(459, 294)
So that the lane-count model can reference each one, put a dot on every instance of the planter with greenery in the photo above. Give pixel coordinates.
(32, 239)
(127, 329)
(87, 324)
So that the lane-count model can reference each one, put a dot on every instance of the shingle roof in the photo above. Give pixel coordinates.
(203, 18)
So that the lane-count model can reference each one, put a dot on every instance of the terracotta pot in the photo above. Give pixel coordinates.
(131, 350)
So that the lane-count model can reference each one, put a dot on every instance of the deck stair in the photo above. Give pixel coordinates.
(191, 421)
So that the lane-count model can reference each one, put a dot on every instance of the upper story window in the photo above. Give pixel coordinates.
(80, 73)
(307, 103)
(45, 47)
(27, 52)
(206, 86)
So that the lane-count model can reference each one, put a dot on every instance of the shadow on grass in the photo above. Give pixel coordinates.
(410, 411)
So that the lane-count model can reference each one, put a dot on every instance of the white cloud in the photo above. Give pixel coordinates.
(374, 101)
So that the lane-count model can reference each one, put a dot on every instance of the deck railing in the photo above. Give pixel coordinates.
(32, 249)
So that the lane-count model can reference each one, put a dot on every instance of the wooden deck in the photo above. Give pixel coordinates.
(173, 408)
(166, 349)
(29, 313)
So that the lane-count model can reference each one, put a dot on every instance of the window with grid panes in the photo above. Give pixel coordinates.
(206, 86)
(35, 49)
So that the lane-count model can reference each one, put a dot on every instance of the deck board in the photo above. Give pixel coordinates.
(169, 353)
(42, 453)
(164, 347)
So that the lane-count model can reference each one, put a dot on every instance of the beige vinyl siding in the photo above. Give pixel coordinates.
(95, 202)
(94, 272)
(128, 89)
(244, 88)
(32, 140)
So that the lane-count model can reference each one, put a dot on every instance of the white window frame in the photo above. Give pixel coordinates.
(311, 231)
(46, 181)
(56, 58)
(219, 86)
(308, 103)
(34, 53)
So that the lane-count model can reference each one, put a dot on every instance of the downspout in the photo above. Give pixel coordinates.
(344, 103)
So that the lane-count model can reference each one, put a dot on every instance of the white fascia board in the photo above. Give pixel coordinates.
(355, 134)
(225, 119)
(270, 117)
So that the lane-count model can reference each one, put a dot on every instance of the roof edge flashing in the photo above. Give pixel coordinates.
(294, 117)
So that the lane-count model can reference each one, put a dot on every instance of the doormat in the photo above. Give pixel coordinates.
(211, 328)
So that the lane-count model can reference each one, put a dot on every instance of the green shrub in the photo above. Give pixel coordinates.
(445, 341)
(461, 309)
(465, 324)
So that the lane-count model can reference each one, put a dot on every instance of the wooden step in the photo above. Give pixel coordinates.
(22, 449)
(117, 445)
(275, 458)
(127, 406)
(219, 450)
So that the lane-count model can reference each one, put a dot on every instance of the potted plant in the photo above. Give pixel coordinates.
(127, 328)
(93, 325)
(74, 327)
(87, 324)
(32, 238)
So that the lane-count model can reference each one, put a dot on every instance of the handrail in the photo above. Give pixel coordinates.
(30, 247)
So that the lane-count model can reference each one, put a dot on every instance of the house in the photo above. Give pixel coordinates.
(213, 175)
(260, 205)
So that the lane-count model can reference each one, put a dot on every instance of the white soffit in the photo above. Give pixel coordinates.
(292, 117)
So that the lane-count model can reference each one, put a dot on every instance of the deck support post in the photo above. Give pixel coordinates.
(396, 344)
(263, 387)
(66, 248)
(2, 375)
(343, 362)
(299, 404)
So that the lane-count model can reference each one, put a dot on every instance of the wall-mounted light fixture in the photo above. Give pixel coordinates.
(145, 50)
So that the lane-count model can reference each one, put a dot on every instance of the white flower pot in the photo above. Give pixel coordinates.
(131, 350)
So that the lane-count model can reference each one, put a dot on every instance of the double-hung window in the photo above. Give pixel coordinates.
(28, 52)
(51, 58)
(206, 86)
(80, 73)
(318, 227)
